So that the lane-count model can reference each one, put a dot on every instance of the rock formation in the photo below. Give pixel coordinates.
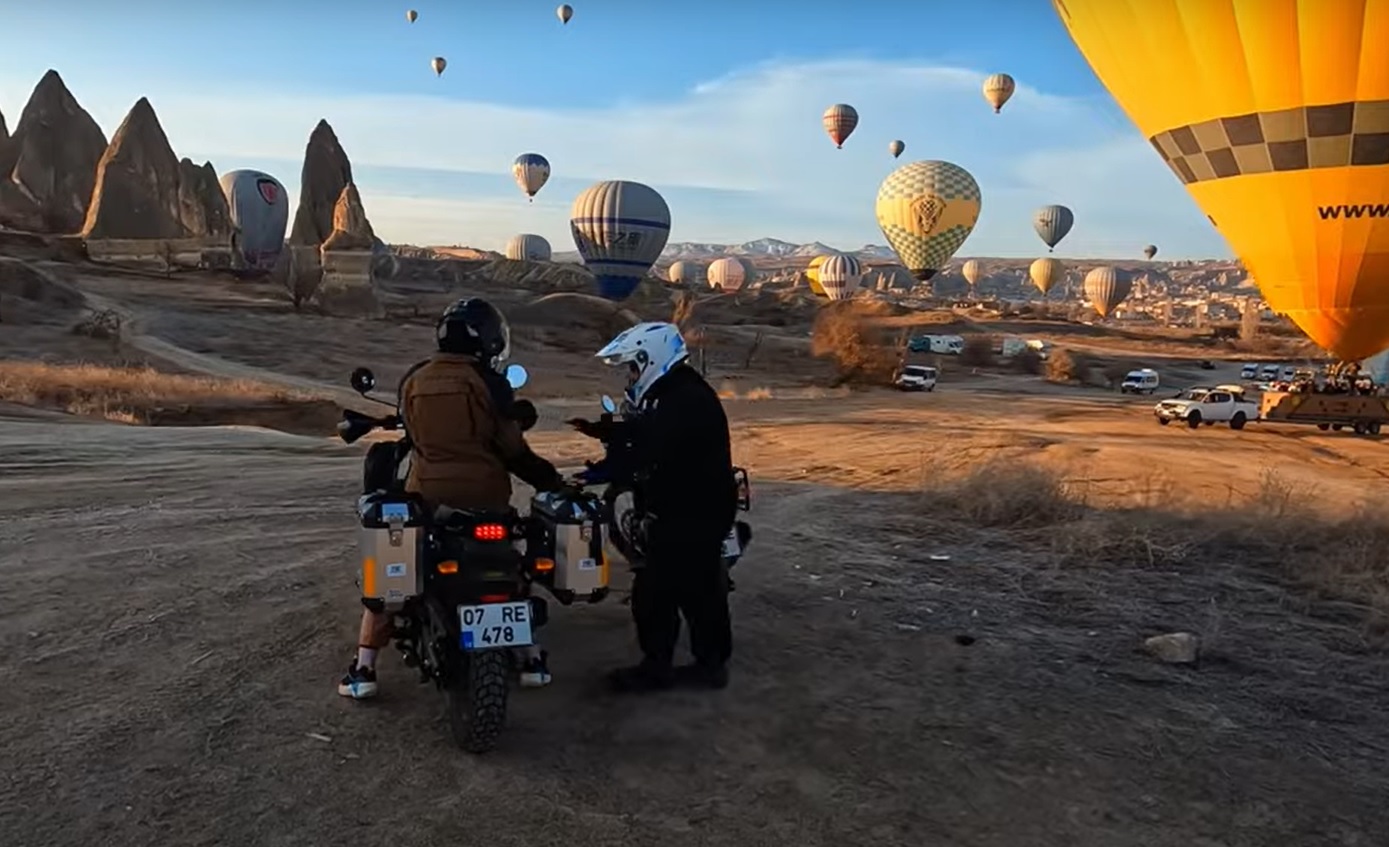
(48, 166)
(348, 285)
(4, 133)
(326, 173)
(143, 191)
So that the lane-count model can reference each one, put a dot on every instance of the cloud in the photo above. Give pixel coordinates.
(737, 158)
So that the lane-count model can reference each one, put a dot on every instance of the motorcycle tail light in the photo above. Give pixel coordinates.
(489, 532)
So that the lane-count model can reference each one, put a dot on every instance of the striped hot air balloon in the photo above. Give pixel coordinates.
(1106, 287)
(684, 273)
(840, 275)
(531, 171)
(998, 88)
(528, 247)
(620, 229)
(839, 121)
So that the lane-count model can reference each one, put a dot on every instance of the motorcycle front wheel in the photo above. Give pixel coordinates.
(476, 696)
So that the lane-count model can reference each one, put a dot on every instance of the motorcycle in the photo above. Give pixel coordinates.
(623, 515)
(457, 583)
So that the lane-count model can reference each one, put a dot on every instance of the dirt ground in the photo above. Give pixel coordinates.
(179, 603)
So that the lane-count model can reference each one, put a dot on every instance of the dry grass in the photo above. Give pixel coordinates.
(1276, 528)
(125, 394)
(847, 333)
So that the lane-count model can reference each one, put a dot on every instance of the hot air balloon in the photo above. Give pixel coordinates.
(260, 212)
(412, 16)
(564, 13)
(727, 274)
(1052, 223)
(840, 120)
(528, 248)
(1106, 287)
(840, 276)
(812, 274)
(972, 272)
(620, 229)
(997, 89)
(531, 171)
(927, 210)
(685, 273)
(1149, 252)
(1280, 142)
(896, 148)
(1045, 273)
(438, 63)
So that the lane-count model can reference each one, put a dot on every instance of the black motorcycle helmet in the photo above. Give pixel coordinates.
(474, 327)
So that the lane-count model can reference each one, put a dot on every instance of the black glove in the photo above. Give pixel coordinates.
(600, 430)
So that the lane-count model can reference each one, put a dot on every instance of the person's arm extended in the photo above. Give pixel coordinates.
(521, 460)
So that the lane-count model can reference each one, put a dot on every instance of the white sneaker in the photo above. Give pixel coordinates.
(358, 683)
(535, 673)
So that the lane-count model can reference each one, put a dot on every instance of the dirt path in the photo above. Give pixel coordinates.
(173, 635)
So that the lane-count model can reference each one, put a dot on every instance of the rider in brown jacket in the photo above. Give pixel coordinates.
(456, 408)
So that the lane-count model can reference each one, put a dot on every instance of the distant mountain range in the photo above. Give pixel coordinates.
(771, 248)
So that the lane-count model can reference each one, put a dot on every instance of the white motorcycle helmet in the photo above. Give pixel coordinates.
(650, 350)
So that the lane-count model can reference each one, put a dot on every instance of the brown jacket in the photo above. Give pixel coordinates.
(465, 450)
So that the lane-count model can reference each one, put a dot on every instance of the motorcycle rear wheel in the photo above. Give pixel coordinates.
(477, 700)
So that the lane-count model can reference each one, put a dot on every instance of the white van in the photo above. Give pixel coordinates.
(1268, 372)
(1141, 381)
(917, 378)
(1249, 372)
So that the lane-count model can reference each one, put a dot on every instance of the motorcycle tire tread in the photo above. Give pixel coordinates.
(477, 702)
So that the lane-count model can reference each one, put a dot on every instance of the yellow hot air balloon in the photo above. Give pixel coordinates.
(1106, 287)
(1275, 115)
(1045, 273)
(927, 210)
(412, 16)
(997, 89)
(438, 63)
(812, 273)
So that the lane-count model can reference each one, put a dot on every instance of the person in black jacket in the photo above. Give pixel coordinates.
(673, 445)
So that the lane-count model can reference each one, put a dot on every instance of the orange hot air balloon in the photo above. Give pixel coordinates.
(1275, 115)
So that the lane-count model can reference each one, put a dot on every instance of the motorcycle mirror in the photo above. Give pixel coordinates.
(517, 376)
(609, 405)
(363, 380)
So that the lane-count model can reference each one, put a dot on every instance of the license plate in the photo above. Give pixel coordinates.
(731, 547)
(494, 625)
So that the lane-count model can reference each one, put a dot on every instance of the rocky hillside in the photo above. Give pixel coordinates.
(48, 164)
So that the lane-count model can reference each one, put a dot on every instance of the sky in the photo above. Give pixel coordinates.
(715, 104)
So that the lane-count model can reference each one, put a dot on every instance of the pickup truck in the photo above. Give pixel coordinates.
(1200, 405)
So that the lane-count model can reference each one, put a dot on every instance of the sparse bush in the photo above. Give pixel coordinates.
(104, 325)
(1066, 366)
(842, 333)
(978, 351)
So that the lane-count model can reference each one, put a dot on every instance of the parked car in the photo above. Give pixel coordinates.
(1141, 381)
(917, 378)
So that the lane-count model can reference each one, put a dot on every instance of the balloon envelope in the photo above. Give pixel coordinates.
(927, 210)
(812, 273)
(1106, 287)
(411, 15)
(840, 275)
(620, 229)
(727, 274)
(1045, 273)
(896, 148)
(260, 211)
(972, 272)
(684, 273)
(1274, 115)
(531, 171)
(527, 247)
(1150, 251)
(438, 63)
(839, 121)
(564, 13)
(998, 88)
(1052, 223)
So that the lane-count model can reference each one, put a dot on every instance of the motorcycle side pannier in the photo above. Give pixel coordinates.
(568, 548)
(390, 540)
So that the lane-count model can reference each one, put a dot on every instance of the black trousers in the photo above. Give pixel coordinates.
(692, 583)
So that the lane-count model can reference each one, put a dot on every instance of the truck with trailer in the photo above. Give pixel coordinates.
(1363, 414)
